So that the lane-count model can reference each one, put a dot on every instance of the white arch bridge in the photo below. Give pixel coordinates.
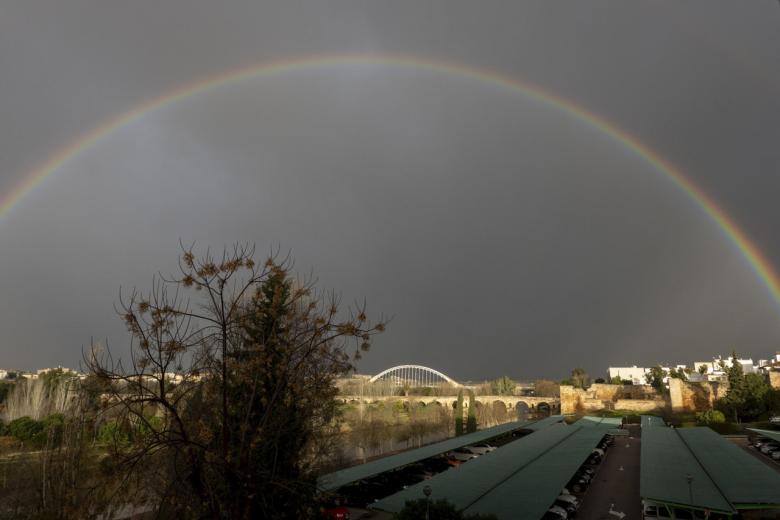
(414, 375)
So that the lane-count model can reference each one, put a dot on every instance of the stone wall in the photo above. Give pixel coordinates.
(692, 397)
(637, 398)
(641, 405)
(774, 378)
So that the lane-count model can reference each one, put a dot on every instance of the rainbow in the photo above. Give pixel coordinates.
(758, 262)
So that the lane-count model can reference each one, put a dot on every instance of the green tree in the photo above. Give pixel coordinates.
(616, 381)
(678, 373)
(459, 414)
(655, 378)
(772, 400)
(502, 386)
(436, 510)
(579, 378)
(736, 396)
(599, 380)
(702, 369)
(756, 393)
(253, 420)
(471, 422)
(25, 429)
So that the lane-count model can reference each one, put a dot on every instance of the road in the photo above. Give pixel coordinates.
(616, 483)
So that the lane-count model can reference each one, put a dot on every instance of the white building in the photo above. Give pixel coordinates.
(634, 374)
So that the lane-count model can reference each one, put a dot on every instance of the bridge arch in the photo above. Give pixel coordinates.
(417, 375)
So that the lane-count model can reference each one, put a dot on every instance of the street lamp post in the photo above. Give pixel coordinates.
(689, 478)
(427, 492)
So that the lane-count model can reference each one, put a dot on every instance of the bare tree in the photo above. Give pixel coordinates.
(227, 405)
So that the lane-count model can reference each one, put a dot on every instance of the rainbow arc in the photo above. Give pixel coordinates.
(758, 262)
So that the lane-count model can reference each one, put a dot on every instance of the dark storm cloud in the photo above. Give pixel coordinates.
(505, 237)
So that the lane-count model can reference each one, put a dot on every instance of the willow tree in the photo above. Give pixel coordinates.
(228, 395)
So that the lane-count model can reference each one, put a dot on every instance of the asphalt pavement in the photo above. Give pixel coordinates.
(614, 493)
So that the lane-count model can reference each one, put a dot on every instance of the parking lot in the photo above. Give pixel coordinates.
(616, 486)
(765, 446)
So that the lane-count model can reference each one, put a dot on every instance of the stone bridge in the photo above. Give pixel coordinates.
(518, 402)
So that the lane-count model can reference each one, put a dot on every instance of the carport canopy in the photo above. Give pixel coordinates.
(696, 468)
(345, 476)
(769, 434)
(520, 480)
(651, 420)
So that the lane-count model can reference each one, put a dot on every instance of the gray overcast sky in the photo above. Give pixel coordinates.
(505, 237)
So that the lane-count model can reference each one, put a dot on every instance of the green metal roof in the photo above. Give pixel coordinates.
(531, 491)
(770, 434)
(521, 478)
(340, 478)
(652, 420)
(666, 465)
(743, 479)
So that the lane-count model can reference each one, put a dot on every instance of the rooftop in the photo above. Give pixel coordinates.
(340, 478)
(697, 468)
(520, 480)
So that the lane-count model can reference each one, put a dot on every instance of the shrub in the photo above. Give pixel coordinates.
(25, 429)
(710, 417)
(110, 432)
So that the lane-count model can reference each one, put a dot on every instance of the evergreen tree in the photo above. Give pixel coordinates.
(459, 414)
(471, 423)
(734, 401)
(655, 378)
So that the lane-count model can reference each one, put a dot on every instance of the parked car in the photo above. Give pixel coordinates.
(654, 512)
(568, 497)
(413, 473)
(566, 502)
(776, 455)
(480, 449)
(769, 447)
(334, 512)
(462, 454)
(436, 464)
(775, 419)
(570, 509)
(555, 513)
(453, 462)
(578, 484)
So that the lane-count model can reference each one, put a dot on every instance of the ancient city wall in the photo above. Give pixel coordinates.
(690, 397)
(635, 398)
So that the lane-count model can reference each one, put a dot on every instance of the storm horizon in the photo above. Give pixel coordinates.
(520, 193)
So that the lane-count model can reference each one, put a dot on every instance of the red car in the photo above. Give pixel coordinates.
(334, 513)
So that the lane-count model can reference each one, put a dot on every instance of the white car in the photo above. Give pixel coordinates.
(571, 499)
(768, 448)
(462, 454)
(558, 511)
(775, 419)
(480, 449)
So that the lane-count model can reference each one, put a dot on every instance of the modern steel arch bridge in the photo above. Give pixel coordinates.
(414, 375)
